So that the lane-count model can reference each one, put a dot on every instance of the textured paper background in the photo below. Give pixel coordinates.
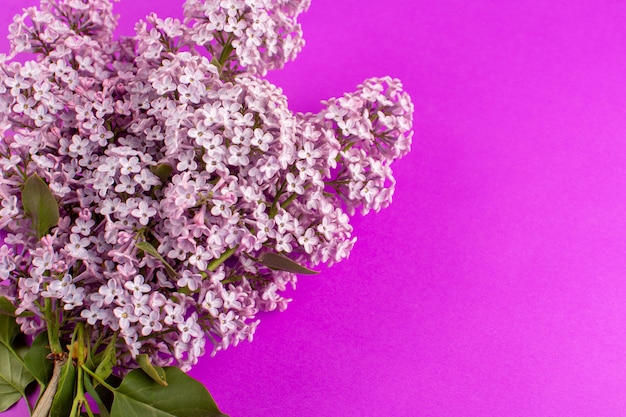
(495, 285)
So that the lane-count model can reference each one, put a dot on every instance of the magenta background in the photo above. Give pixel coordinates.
(495, 285)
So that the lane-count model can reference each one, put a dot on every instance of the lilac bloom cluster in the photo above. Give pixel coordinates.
(170, 140)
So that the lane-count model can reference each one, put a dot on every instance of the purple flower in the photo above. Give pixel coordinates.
(174, 172)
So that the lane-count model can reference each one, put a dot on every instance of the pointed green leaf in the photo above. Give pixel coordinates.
(14, 377)
(105, 395)
(8, 396)
(36, 359)
(149, 249)
(8, 330)
(140, 396)
(155, 372)
(20, 346)
(6, 307)
(62, 403)
(102, 409)
(282, 263)
(109, 359)
(40, 205)
(163, 171)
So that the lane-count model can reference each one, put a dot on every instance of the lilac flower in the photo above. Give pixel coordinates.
(308, 240)
(93, 314)
(211, 303)
(77, 246)
(146, 179)
(194, 155)
(83, 226)
(137, 285)
(173, 314)
(227, 322)
(126, 316)
(189, 329)
(143, 212)
(189, 279)
(150, 323)
(110, 291)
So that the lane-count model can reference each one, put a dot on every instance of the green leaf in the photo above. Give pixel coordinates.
(102, 409)
(20, 346)
(109, 359)
(8, 397)
(155, 372)
(40, 205)
(62, 403)
(149, 249)
(8, 330)
(140, 396)
(105, 394)
(14, 378)
(36, 359)
(163, 171)
(282, 263)
(6, 307)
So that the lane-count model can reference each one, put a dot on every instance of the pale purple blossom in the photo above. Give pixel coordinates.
(212, 303)
(177, 143)
(144, 212)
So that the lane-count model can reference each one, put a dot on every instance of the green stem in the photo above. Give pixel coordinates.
(226, 50)
(53, 328)
(292, 197)
(78, 399)
(102, 410)
(97, 378)
(345, 148)
(78, 348)
(217, 262)
(288, 201)
(274, 209)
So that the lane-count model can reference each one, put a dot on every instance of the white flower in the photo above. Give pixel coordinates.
(77, 246)
(143, 212)
(125, 185)
(227, 322)
(211, 303)
(308, 240)
(137, 285)
(9, 207)
(126, 316)
(189, 329)
(238, 155)
(309, 154)
(200, 260)
(146, 179)
(150, 323)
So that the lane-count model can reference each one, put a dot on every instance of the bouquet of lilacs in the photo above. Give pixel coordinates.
(157, 194)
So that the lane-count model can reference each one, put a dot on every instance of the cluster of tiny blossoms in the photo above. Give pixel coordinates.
(170, 139)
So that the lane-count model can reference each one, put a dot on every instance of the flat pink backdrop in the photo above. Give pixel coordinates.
(495, 285)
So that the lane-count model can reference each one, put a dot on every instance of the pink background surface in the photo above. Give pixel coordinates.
(495, 285)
